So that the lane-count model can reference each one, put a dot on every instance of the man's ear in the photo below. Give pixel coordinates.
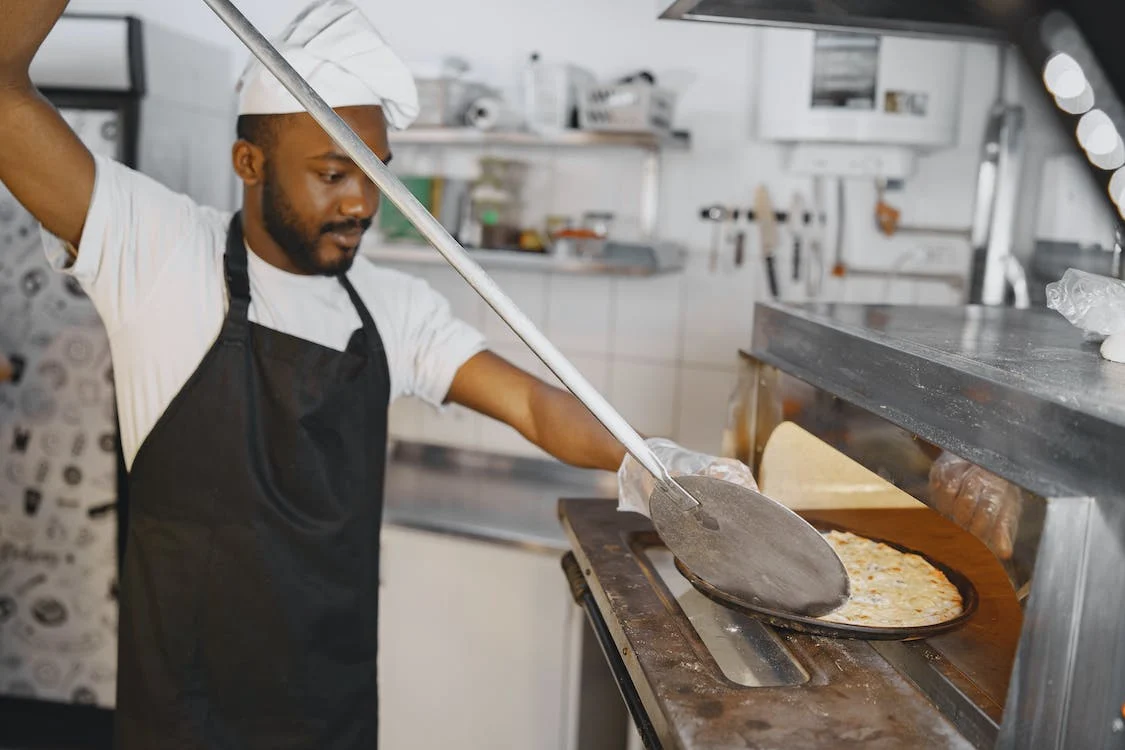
(249, 162)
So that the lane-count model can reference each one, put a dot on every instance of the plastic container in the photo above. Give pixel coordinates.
(551, 94)
(637, 107)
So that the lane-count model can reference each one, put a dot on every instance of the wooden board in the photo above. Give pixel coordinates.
(803, 472)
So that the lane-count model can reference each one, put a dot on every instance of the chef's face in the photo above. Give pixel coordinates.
(315, 202)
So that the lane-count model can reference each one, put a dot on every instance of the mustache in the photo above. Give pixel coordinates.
(352, 225)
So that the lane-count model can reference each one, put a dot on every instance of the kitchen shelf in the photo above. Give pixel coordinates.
(653, 145)
(568, 138)
(620, 259)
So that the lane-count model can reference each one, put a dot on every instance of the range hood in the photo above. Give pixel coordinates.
(946, 18)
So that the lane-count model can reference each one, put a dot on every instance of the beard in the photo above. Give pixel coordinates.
(297, 239)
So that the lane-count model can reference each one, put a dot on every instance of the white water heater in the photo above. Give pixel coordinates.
(859, 88)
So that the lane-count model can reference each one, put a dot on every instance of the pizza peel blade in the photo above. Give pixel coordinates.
(741, 542)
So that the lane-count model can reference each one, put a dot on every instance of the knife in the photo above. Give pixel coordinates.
(767, 225)
(797, 231)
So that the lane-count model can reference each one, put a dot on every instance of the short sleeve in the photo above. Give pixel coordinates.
(435, 344)
(133, 225)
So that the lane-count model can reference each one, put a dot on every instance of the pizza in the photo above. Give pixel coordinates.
(890, 588)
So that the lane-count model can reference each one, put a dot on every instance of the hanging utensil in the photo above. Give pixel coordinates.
(886, 216)
(735, 538)
(797, 231)
(719, 216)
(814, 275)
(839, 268)
(767, 225)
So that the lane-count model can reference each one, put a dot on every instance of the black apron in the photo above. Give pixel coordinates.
(249, 595)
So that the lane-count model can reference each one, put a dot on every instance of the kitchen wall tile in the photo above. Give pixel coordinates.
(718, 311)
(454, 426)
(901, 292)
(932, 293)
(864, 290)
(688, 184)
(465, 303)
(529, 291)
(579, 313)
(704, 395)
(645, 394)
(539, 196)
(648, 318)
(833, 289)
(596, 180)
(405, 419)
(939, 293)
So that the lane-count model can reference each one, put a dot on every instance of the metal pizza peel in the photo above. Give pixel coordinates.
(737, 539)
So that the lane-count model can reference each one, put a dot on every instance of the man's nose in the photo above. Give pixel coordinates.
(362, 201)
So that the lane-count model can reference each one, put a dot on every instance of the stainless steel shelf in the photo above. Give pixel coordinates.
(633, 260)
(567, 138)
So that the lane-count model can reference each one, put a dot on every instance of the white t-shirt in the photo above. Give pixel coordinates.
(151, 261)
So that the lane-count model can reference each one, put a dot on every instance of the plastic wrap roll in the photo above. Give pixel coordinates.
(491, 113)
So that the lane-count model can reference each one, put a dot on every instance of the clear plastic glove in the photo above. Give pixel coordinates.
(978, 501)
(635, 484)
(1094, 303)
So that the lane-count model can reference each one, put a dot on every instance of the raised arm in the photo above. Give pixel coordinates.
(42, 161)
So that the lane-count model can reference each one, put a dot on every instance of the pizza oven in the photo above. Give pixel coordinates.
(843, 410)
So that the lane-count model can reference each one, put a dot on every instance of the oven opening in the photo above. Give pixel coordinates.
(747, 652)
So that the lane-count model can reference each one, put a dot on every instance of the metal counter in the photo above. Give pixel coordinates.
(485, 496)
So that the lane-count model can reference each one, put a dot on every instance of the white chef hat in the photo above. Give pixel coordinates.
(337, 50)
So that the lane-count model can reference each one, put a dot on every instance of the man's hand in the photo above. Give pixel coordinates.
(635, 484)
(978, 501)
(6, 369)
(549, 417)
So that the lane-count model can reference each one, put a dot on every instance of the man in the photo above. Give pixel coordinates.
(255, 357)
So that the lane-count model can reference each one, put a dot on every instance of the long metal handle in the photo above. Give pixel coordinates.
(436, 234)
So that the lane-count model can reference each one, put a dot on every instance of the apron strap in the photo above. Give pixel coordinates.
(369, 328)
(235, 265)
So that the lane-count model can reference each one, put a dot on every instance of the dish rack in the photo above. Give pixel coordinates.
(628, 107)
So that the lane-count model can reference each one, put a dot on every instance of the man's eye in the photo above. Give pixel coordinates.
(331, 176)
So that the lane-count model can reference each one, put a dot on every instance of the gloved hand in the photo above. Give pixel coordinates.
(978, 501)
(635, 484)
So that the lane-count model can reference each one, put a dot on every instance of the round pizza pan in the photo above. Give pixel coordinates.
(815, 626)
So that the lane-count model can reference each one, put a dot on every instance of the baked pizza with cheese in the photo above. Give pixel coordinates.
(891, 588)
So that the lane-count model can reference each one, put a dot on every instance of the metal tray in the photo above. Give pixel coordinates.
(814, 626)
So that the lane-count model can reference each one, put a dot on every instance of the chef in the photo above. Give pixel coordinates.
(255, 356)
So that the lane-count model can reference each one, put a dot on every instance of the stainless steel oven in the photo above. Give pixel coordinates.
(1039, 664)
